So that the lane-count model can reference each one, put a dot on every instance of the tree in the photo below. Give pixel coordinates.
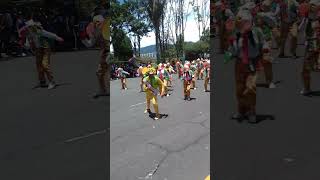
(139, 24)
(121, 45)
(155, 9)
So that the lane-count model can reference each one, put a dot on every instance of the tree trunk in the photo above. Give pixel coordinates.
(157, 33)
(139, 45)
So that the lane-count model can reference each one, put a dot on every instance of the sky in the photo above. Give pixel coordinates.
(191, 31)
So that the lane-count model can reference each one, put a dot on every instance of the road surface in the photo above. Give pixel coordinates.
(173, 148)
(53, 134)
(285, 148)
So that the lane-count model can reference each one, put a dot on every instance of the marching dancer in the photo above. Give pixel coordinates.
(187, 80)
(40, 44)
(246, 47)
(122, 75)
(152, 86)
(312, 59)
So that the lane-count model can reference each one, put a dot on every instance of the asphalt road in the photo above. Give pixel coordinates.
(285, 148)
(173, 148)
(58, 134)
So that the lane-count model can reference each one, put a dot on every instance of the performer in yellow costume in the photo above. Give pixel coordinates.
(152, 87)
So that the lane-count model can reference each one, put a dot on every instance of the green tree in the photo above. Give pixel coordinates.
(121, 45)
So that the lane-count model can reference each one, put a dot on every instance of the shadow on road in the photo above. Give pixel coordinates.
(265, 85)
(153, 115)
(259, 118)
(46, 86)
(264, 117)
(314, 93)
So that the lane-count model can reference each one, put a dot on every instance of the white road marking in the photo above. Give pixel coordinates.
(85, 136)
(137, 104)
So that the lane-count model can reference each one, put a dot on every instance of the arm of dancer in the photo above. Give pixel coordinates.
(50, 35)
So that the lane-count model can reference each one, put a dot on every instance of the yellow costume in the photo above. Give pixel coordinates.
(152, 86)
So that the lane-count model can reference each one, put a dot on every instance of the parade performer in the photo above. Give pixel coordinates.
(179, 68)
(163, 74)
(206, 71)
(288, 25)
(122, 75)
(223, 14)
(152, 87)
(170, 70)
(193, 68)
(140, 74)
(246, 47)
(40, 41)
(187, 80)
(265, 22)
(98, 33)
(312, 57)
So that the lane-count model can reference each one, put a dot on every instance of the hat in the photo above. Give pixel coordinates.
(244, 15)
(98, 18)
(151, 71)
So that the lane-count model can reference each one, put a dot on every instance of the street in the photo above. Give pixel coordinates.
(285, 148)
(53, 134)
(175, 147)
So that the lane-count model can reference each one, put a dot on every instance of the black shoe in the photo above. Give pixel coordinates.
(185, 97)
(43, 84)
(189, 99)
(238, 116)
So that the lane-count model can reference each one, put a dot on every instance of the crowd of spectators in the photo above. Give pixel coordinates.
(62, 22)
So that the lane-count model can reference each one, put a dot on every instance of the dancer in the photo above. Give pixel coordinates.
(187, 80)
(288, 25)
(246, 47)
(40, 45)
(206, 75)
(122, 75)
(263, 26)
(152, 87)
(312, 59)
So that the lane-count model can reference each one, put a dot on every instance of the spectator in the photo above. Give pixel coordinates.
(21, 35)
(5, 32)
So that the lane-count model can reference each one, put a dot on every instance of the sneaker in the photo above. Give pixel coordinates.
(272, 85)
(185, 97)
(23, 55)
(252, 118)
(238, 116)
(305, 92)
(168, 95)
(189, 99)
(157, 117)
(125, 88)
(52, 85)
(195, 88)
(147, 111)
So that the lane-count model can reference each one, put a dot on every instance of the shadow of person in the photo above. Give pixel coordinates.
(46, 86)
(315, 93)
(263, 117)
(259, 118)
(153, 115)
(265, 85)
